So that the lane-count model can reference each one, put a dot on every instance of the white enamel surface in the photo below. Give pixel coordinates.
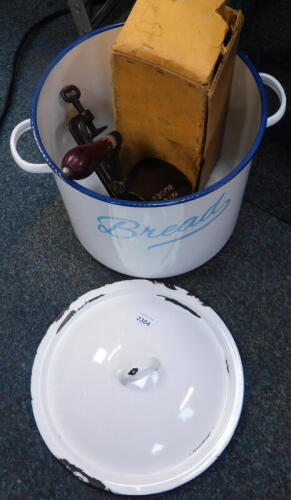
(32, 168)
(276, 86)
(171, 420)
(155, 242)
(150, 242)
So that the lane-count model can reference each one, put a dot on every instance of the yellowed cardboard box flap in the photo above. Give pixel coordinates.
(157, 28)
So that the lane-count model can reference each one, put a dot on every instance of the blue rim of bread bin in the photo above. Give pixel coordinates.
(199, 194)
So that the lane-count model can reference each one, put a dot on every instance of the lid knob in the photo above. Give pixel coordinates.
(141, 375)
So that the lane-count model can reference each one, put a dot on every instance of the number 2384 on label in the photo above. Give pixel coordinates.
(143, 321)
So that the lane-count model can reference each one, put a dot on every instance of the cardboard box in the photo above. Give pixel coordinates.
(172, 68)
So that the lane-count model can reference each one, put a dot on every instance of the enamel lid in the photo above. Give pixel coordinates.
(137, 387)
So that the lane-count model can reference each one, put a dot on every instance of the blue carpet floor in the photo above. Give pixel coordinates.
(44, 268)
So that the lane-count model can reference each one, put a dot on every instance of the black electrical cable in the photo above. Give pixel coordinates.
(108, 8)
(125, 14)
(103, 12)
(100, 17)
(17, 57)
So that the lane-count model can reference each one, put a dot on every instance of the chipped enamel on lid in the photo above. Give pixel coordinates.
(137, 387)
